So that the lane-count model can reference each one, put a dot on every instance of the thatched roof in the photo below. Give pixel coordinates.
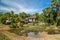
(32, 17)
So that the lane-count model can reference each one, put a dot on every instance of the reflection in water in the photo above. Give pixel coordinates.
(34, 34)
(27, 33)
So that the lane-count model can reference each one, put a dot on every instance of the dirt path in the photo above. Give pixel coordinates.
(5, 28)
(13, 36)
(50, 37)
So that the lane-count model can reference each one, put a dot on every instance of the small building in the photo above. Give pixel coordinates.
(30, 19)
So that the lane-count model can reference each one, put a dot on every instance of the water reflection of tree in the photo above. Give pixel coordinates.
(36, 32)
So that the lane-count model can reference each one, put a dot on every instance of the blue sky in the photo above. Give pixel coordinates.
(29, 6)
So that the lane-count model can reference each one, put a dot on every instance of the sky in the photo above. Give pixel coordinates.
(28, 6)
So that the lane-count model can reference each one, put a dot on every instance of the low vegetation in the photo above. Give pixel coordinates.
(2, 25)
(3, 37)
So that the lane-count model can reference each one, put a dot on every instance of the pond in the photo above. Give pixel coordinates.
(27, 33)
(34, 34)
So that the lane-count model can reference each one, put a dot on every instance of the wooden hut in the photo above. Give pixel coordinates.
(30, 19)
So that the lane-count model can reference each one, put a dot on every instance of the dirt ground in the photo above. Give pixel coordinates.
(13, 36)
(45, 36)
(4, 28)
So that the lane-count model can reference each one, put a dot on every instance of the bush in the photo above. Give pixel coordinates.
(21, 25)
(53, 32)
(14, 25)
(2, 19)
(3, 37)
(58, 22)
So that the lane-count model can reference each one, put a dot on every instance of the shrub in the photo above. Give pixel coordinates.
(51, 32)
(54, 32)
(58, 22)
(14, 25)
(3, 37)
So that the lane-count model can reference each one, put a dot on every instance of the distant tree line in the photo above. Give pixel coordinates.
(18, 17)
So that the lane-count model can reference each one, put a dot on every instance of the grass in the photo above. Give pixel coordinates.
(32, 26)
(28, 28)
(36, 28)
(2, 25)
(3, 37)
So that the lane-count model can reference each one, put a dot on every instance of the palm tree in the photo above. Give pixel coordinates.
(56, 5)
(48, 14)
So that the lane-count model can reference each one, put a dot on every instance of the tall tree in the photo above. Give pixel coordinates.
(56, 8)
(48, 14)
(51, 13)
(24, 15)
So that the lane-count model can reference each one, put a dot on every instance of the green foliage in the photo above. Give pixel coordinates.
(3, 37)
(14, 25)
(58, 22)
(15, 18)
(53, 32)
(51, 13)
(22, 24)
(2, 25)
(41, 17)
(2, 19)
(24, 15)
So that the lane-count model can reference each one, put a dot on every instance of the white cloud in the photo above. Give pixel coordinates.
(6, 8)
(17, 7)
